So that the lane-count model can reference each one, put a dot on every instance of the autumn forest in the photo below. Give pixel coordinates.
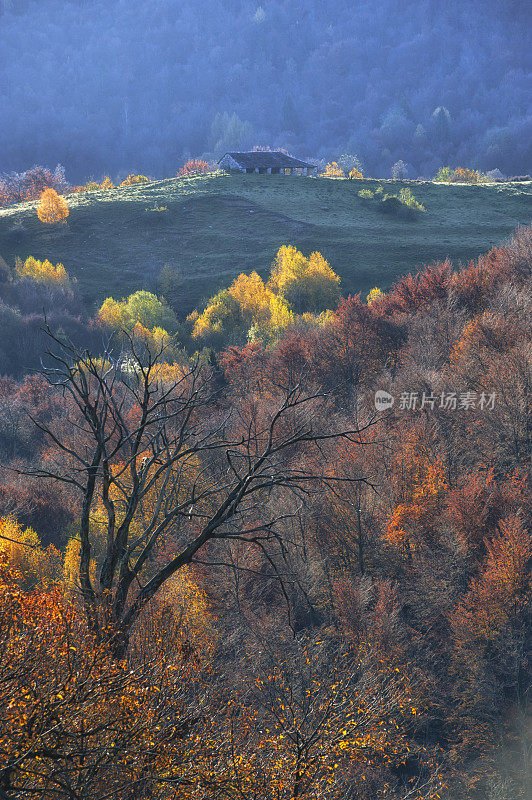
(265, 395)
(277, 549)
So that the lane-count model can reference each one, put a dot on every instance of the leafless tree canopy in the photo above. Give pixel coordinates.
(165, 461)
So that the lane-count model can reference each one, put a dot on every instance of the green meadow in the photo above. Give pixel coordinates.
(211, 228)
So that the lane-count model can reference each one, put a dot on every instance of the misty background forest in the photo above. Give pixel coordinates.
(110, 86)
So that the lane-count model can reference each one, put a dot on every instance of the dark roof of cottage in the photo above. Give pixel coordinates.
(264, 159)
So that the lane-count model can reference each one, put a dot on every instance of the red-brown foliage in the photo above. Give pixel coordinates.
(194, 166)
(473, 285)
(17, 187)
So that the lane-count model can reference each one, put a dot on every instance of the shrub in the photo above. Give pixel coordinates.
(355, 174)
(332, 170)
(132, 180)
(407, 198)
(94, 186)
(404, 204)
(492, 176)
(194, 166)
(457, 175)
(464, 175)
(366, 194)
(91, 186)
(443, 175)
(52, 208)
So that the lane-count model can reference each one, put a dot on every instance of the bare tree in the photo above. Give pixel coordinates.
(167, 459)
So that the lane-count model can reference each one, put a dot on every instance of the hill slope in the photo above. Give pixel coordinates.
(211, 228)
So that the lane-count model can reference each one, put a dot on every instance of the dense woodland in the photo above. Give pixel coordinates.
(225, 574)
(112, 86)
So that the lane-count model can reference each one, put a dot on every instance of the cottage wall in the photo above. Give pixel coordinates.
(229, 163)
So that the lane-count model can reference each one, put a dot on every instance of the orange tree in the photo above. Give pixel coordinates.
(51, 207)
(77, 724)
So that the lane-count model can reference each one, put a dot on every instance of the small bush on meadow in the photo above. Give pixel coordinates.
(332, 170)
(443, 175)
(464, 175)
(403, 204)
(194, 166)
(133, 180)
(407, 198)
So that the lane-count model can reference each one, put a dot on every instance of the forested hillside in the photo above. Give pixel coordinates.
(111, 86)
(296, 566)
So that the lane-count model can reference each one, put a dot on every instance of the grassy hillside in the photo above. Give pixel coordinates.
(214, 227)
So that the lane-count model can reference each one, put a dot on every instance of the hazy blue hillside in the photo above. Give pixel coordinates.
(121, 85)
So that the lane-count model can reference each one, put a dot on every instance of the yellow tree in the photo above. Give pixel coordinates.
(42, 271)
(375, 294)
(332, 170)
(252, 295)
(308, 284)
(317, 736)
(52, 208)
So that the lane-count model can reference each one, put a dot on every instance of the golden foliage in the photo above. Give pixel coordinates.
(52, 207)
(464, 175)
(374, 294)
(297, 285)
(72, 715)
(332, 170)
(412, 521)
(23, 552)
(308, 284)
(194, 166)
(132, 180)
(42, 271)
(252, 296)
(144, 316)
